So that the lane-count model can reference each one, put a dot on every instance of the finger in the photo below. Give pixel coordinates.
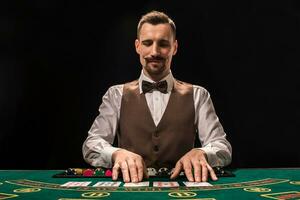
(140, 169)
(132, 170)
(187, 166)
(177, 170)
(197, 170)
(212, 173)
(115, 171)
(204, 172)
(145, 172)
(125, 172)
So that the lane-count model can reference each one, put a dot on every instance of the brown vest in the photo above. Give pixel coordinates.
(162, 145)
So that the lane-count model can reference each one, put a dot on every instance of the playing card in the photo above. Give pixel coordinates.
(76, 184)
(140, 184)
(165, 184)
(196, 184)
(108, 184)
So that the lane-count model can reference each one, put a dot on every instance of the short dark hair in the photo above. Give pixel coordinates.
(154, 18)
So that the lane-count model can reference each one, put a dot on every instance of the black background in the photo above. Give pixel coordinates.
(59, 57)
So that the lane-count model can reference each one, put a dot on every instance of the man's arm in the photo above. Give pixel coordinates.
(97, 149)
(215, 151)
(210, 131)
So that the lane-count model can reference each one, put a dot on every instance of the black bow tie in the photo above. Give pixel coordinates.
(161, 86)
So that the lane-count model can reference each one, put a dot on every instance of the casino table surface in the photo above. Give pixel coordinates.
(247, 184)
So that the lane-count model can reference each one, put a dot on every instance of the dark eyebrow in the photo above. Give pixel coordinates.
(147, 40)
(163, 40)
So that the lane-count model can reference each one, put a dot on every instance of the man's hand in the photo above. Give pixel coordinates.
(195, 166)
(131, 165)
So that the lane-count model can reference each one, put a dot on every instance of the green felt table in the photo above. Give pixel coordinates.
(247, 184)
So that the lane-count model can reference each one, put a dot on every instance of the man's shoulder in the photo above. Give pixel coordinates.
(118, 88)
(131, 86)
(200, 88)
(114, 91)
(183, 83)
(196, 88)
(200, 92)
(132, 83)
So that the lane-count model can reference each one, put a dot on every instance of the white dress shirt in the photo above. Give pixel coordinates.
(97, 148)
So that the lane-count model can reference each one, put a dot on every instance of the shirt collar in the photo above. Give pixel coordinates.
(169, 78)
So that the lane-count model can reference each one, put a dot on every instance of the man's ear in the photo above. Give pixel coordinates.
(137, 46)
(175, 47)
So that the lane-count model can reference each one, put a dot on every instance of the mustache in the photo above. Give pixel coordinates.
(154, 58)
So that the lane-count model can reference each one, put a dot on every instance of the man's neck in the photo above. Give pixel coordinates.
(156, 78)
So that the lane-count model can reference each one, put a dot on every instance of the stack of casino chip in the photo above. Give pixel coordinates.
(78, 171)
(88, 172)
(151, 171)
(74, 172)
(108, 173)
(98, 172)
(70, 171)
(164, 172)
(102, 172)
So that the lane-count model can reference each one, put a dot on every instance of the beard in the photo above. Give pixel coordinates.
(155, 65)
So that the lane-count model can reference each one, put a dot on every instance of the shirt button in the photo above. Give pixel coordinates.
(155, 148)
(156, 98)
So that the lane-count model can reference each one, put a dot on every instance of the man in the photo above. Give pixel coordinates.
(156, 127)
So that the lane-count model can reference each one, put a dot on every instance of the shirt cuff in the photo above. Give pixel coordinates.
(107, 154)
(211, 156)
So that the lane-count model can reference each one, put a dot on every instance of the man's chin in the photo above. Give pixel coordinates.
(154, 69)
(155, 66)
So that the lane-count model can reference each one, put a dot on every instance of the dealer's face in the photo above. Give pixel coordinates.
(156, 46)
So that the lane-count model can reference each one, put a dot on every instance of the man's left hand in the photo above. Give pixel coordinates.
(195, 166)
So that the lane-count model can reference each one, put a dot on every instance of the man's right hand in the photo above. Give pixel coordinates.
(130, 164)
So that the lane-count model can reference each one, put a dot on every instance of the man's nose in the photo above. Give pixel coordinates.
(155, 50)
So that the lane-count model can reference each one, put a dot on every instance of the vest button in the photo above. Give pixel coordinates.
(155, 148)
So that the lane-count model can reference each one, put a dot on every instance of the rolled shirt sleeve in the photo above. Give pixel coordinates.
(210, 131)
